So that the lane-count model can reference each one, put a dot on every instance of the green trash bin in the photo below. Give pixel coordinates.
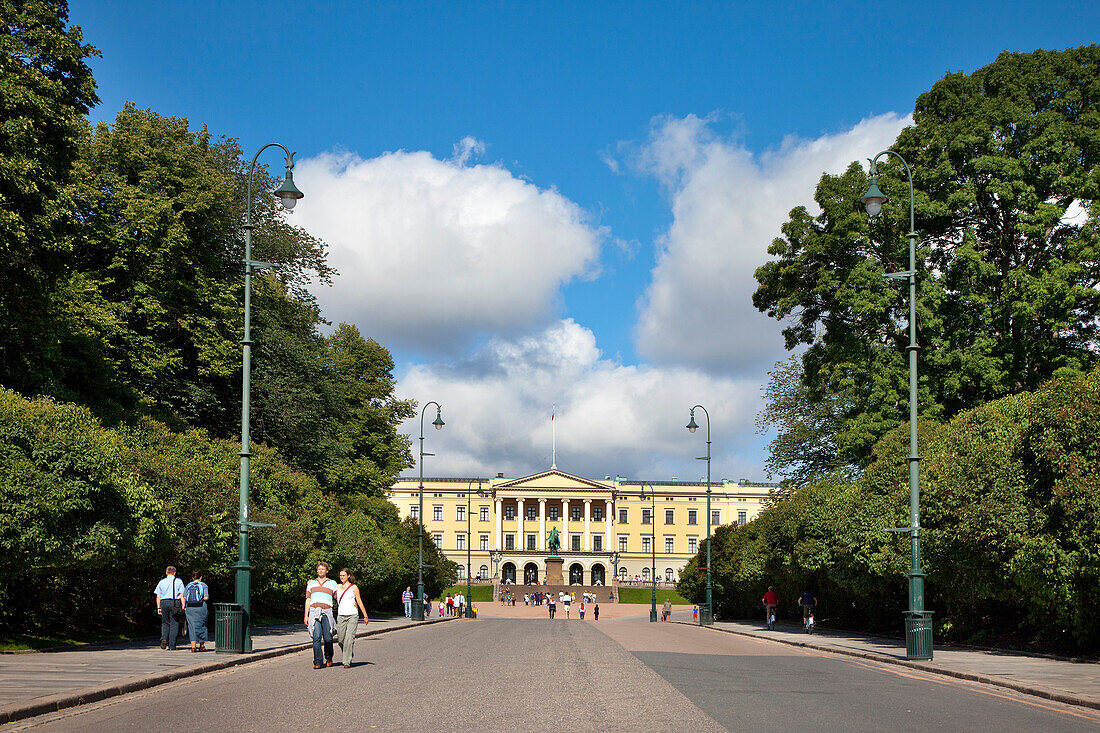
(228, 628)
(918, 635)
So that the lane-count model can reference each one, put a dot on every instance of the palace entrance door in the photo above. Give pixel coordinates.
(598, 575)
(530, 573)
(508, 573)
(576, 574)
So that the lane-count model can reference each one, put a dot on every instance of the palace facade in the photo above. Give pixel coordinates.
(606, 527)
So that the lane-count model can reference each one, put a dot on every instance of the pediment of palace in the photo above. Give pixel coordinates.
(551, 482)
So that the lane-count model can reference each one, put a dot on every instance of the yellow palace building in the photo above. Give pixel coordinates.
(606, 527)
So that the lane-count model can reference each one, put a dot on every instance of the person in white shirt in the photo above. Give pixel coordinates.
(320, 595)
(348, 605)
(460, 605)
(169, 594)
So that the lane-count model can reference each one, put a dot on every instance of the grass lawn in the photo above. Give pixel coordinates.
(645, 595)
(477, 593)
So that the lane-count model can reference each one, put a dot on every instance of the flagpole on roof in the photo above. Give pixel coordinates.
(554, 430)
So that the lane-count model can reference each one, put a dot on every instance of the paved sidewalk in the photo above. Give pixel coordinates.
(35, 683)
(1076, 683)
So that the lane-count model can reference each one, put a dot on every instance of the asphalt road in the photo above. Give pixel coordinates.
(622, 674)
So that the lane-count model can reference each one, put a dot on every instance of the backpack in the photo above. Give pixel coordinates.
(194, 594)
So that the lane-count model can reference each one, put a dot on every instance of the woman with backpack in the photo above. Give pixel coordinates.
(196, 595)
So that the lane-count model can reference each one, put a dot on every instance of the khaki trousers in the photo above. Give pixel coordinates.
(345, 634)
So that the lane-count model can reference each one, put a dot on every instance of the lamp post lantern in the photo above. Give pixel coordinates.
(918, 622)
(706, 614)
(288, 194)
(418, 602)
(653, 548)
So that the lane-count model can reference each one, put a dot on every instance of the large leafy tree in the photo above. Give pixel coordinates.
(1005, 165)
(46, 88)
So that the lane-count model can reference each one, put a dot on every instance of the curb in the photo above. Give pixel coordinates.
(970, 676)
(63, 700)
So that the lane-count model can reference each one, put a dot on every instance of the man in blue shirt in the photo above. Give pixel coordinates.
(169, 594)
(807, 601)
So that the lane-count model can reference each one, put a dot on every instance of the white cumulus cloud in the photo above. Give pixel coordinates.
(728, 205)
(433, 253)
(611, 418)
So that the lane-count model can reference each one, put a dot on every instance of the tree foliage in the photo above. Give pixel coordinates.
(1010, 516)
(1005, 167)
(46, 89)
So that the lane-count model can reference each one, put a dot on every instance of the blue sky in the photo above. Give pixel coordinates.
(540, 203)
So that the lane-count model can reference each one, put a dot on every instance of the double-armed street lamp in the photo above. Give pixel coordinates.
(706, 614)
(418, 602)
(469, 542)
(653, 547)
(288, 195)
(918, 622)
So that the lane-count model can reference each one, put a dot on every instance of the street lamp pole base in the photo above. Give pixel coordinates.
(418, 610)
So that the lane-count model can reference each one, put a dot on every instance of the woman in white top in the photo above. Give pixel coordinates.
(348, 605)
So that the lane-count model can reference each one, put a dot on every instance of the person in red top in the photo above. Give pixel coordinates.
(771, 600)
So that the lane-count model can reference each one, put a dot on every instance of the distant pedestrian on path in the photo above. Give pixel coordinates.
(596, 613)
(582, 610)
(667, 610)
(197, 595)
(428, 607)
(320, 598)
(407, 599)
(695, 613)
(552, 608)
(169, 594)
(348, 606)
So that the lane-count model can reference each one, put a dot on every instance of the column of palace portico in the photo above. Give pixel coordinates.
(565, 544)
(587, 544)
(607, 525)
(542, 524)
(520, 544)
(499, 543)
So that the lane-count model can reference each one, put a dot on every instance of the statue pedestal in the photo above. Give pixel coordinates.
(553, 571)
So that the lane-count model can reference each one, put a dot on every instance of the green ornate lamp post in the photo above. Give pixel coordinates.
(418, 602)
(918, 622)
(706, 613)
(653, 548)
(288, 194)
(480, 492)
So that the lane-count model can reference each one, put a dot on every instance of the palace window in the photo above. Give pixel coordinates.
(483, 514)
(483, 542)
(646, 517)
(622, 573)
(715, 517)
(645, 544)
(460, 540)
(530, 542)
(437, 538)
(693, 545)
(597, 543)
(645, 574)
(509, 512)
(461, 571)
(693, 516)
(597, 513)
(437, 513)
(414, 511)
(622, 516)
(575, 542)
(509, 542)
(669, 516)
(742, 517)
(669, 543)
(532, 511)
(622, 543)
(483, 573)
(460, 513)
(668, 575)
(553, 513)
(575, 512)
